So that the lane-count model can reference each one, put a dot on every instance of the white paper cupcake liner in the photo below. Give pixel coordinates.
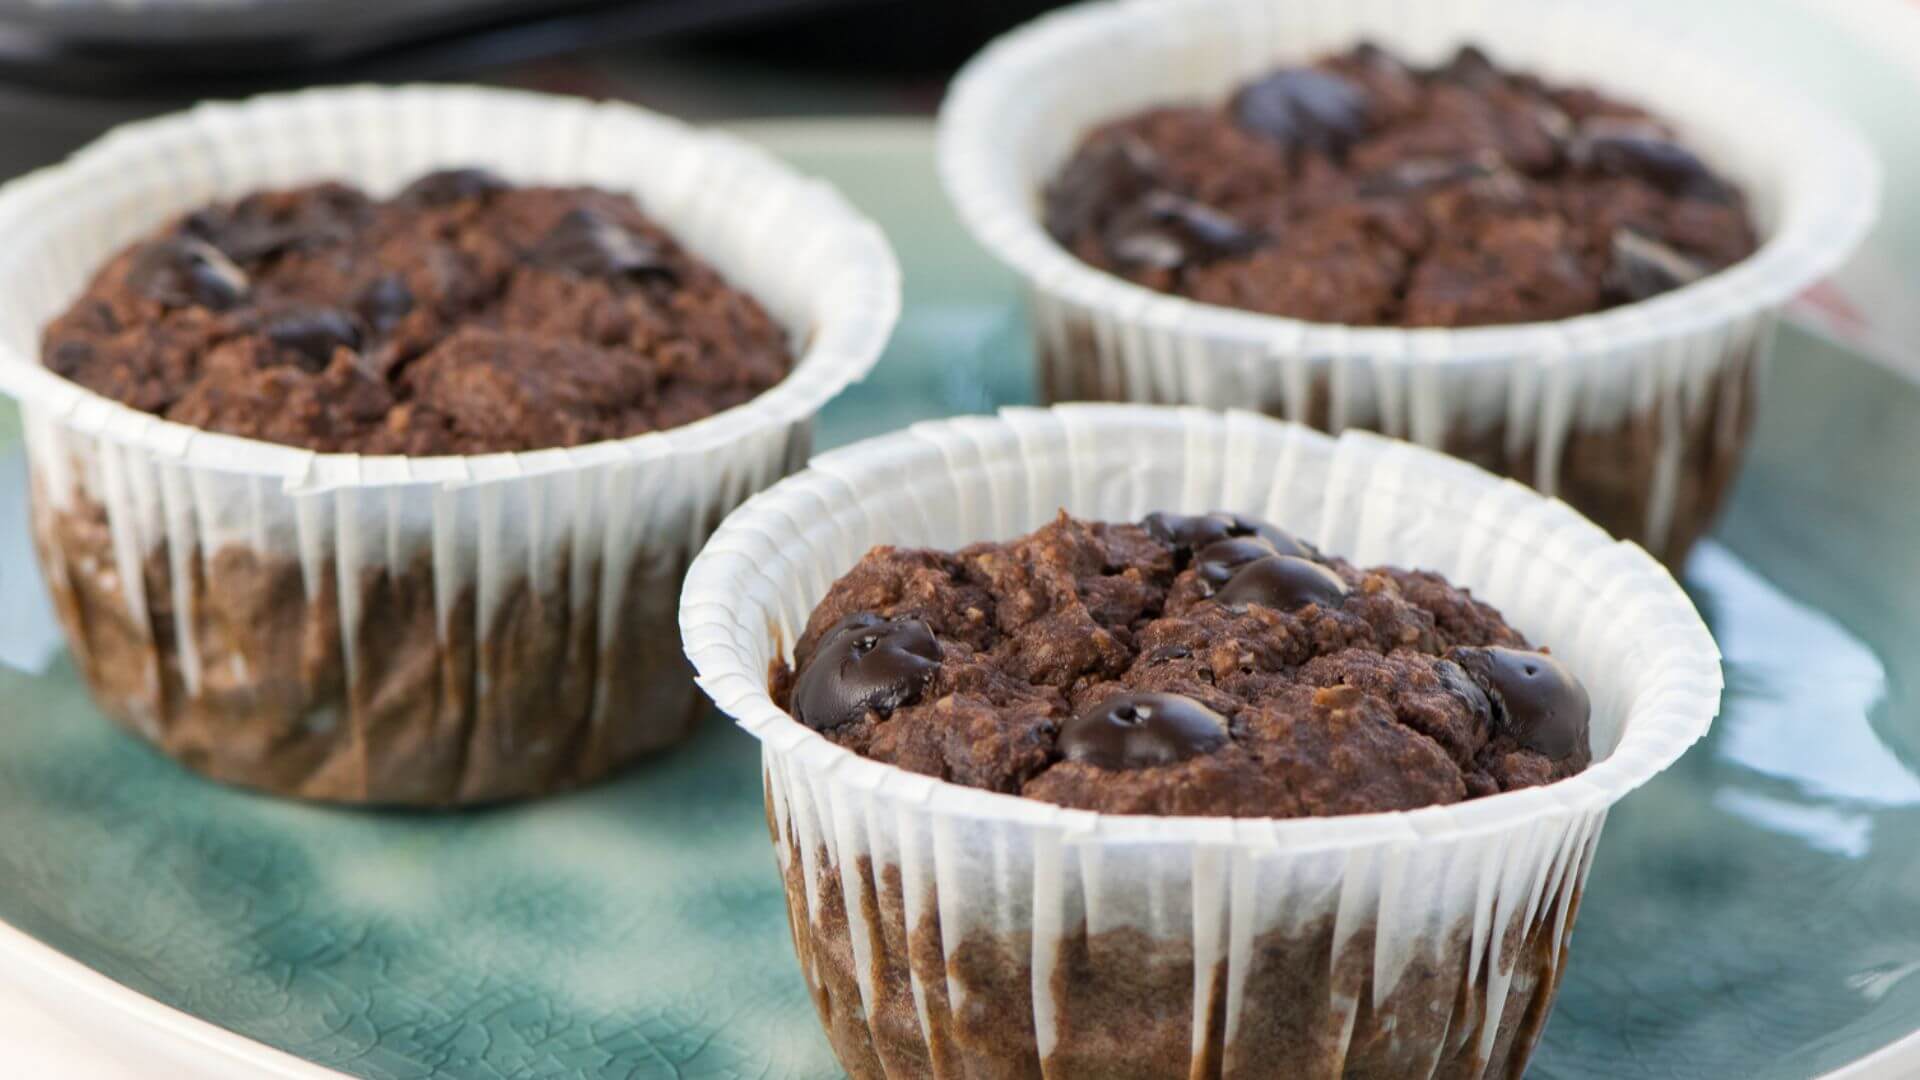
(414, 630)
(1636, 415)
(951, 931)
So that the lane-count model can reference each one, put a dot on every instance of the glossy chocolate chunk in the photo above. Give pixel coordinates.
(185, 270)
(1304, 108)
(1142, 730)
(384, 302)
(588, 243)
(1111, 173)
(1644, 152)
(1284, 583)
(314, 334)
(449, 186)
(865, 663)
(1644, 267)
(1457, 682)
(1188, 533)
(1536, 701)
(1163, 231)
(1219, 561)
(245, 238)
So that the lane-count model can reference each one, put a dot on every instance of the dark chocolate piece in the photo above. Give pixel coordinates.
(865, 663)
(449, 186)
(588, 243)
(1141, 731)
(1189, 533)
(385, 302)
(184, 270)
(1165, 232)
(1284, 583)
(1304, 108)
(314, 334)
(1103, 176)
(1645, 153)
(1219, 561)
(1536, 701)
(242, 239)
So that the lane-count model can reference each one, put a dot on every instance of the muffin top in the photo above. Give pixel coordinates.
(462, 316)
(1207, 665)
(1363, 191)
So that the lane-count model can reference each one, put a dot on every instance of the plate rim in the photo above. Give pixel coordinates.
(51, 978)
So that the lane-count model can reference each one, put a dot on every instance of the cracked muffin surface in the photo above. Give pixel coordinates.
(462, 316)
(1205, 665)
(1363, 190)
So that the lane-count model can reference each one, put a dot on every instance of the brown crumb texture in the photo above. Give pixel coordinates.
(1363, 190)
(463, 316)
(1356, 701)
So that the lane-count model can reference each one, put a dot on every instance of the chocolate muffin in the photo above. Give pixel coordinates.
(1364, 191)
(1206, 665)
(462, 316)
(421, 643)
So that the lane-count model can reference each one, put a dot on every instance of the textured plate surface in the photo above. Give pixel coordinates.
(1751, 912)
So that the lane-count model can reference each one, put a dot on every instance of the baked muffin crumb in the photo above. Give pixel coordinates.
(1206, 665)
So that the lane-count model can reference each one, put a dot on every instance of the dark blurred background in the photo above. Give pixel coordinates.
(70, 69)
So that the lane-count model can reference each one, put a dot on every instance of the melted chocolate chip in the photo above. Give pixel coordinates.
(1284, 583)
(449, 186)
(1165, 232)
(314, 334)
(1189, 533)
(865, 663)
(384, 302)
(1112, 172)
(1217, 562)
(1455, 680)
(1644, 267)
(185, 270)
(249, 239)
(1536, 701)
(1646, 154)
(1141, 731)
(589, 243)
(1304, 108)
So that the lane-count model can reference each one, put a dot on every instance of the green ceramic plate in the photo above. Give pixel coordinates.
(1752, 912)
